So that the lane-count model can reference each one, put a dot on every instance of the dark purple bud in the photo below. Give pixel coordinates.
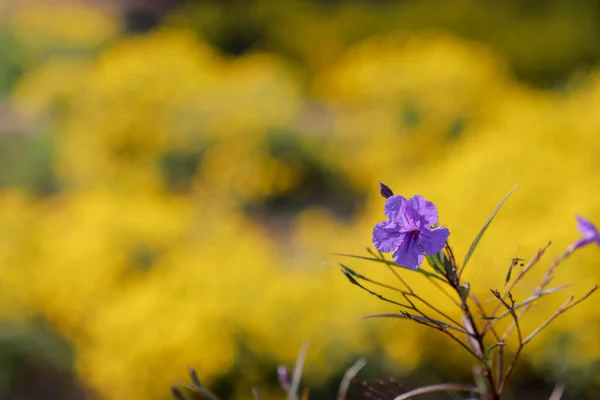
(385, 190)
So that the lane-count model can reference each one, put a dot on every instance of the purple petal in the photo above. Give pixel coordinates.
(387, 236)
(587, 228)
(283, 376)
(409, 254)
(581, 243)
(433, 240)
(426, 209)
(395, 209)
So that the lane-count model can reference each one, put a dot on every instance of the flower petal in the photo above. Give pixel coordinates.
(582, 243)
(433, 240)
(586, 227)
(409, 254)
(395, 209)
(387, 236)
(426, 210)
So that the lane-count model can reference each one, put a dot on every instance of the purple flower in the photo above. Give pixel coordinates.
(589, 232)
(284, 379)
(408, 231)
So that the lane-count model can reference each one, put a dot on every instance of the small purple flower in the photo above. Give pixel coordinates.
(589, 232)
(408, 231)
(284, 379)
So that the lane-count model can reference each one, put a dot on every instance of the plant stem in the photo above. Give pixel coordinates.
(444, 387)
(477, 336)
(492, 393)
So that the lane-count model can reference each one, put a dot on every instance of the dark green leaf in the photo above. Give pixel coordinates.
(177, 394)
(482, 231)
(391, 263)
(350, 277)
(425, 320)
(464, 290)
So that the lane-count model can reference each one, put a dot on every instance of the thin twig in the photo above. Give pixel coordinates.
(199, 389)
(297, 375)
(524, 271)
(483, 314)
(566, 306)
(558, 391)
(348, 376)
(511, 311)
(523, 304)
(500, 365)
(443, 290)
(545, 282)
(478, 336)
(513, 362)
(397, 275)
(444, 330)
(256, 393)
(458, 324)
(443, 387)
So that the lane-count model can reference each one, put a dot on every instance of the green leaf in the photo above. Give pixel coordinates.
(489, 351)
(177, 394)
(391, 263)
(482, 231)
(350, 277)
(448, 265)
(464, 291)
(349, 270)
(508, 274)
(417, 318)
(435, 264)
(384, 261)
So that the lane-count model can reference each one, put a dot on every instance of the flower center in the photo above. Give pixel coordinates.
(413, 235)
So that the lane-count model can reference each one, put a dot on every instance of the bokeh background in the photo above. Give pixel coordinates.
(173, 176)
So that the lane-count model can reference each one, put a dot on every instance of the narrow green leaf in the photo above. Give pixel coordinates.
(194, 377)
(414, 317)
(430, 274)
(349, 270)
(448, 264)
(350, 277)
(508, 274)
(464, 291)
(388, 262)
(435, 264)
(482, 231)
(177, 393)
(383, 261)
(489, 351)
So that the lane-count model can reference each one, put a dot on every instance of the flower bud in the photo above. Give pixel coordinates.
(283, 376)
(385, 190)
